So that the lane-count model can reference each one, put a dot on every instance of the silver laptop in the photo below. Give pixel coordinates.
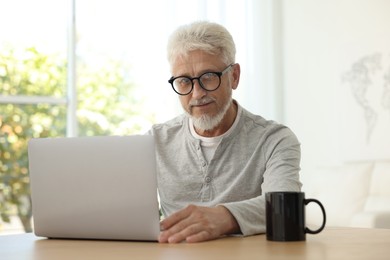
(94, 187)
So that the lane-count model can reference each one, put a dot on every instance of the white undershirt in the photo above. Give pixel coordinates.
(209, 144)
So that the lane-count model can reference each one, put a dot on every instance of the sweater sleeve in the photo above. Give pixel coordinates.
(282, 160)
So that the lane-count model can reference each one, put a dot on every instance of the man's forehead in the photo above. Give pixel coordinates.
(196, 60)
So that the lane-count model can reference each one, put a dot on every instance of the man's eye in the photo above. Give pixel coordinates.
(183, 81)
(209, 76)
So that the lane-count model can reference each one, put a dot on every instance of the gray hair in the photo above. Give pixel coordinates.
(206, 36)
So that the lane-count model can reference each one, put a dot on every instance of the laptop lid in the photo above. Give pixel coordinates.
(94, 187)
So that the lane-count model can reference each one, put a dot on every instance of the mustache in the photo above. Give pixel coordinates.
(202, 101)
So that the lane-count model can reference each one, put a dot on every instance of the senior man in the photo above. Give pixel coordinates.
(217, 160)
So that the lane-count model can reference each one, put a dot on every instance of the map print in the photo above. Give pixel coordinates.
(369, 82)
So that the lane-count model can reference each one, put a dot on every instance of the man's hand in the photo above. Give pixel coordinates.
(196, 224)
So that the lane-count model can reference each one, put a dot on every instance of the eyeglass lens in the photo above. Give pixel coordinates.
(209, 81)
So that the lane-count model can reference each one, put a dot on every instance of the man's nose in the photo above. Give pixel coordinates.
(198, 91)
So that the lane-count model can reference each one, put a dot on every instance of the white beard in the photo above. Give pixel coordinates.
(206, 122)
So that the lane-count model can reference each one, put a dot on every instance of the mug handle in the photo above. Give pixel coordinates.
(309, 231)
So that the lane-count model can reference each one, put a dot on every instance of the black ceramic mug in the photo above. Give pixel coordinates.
(285, 216)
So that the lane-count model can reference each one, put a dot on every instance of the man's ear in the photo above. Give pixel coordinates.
(236, 75)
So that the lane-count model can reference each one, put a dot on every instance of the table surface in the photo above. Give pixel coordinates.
(332, 243)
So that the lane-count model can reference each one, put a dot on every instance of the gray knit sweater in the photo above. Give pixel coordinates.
(257, 157)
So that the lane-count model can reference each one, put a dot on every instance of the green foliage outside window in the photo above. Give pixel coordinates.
(108, 104)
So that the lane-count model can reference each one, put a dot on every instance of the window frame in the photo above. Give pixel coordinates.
(71, 98)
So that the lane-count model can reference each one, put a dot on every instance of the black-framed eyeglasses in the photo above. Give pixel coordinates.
(209, 81)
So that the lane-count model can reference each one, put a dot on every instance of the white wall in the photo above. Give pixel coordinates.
(322, 41)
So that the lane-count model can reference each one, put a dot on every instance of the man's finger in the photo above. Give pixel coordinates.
(199, 237)
(176, 217)
(184, 233)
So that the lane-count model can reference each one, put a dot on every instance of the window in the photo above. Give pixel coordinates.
(32, 94)
(97, 67)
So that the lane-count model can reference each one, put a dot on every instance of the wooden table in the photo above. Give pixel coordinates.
(332, 243)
